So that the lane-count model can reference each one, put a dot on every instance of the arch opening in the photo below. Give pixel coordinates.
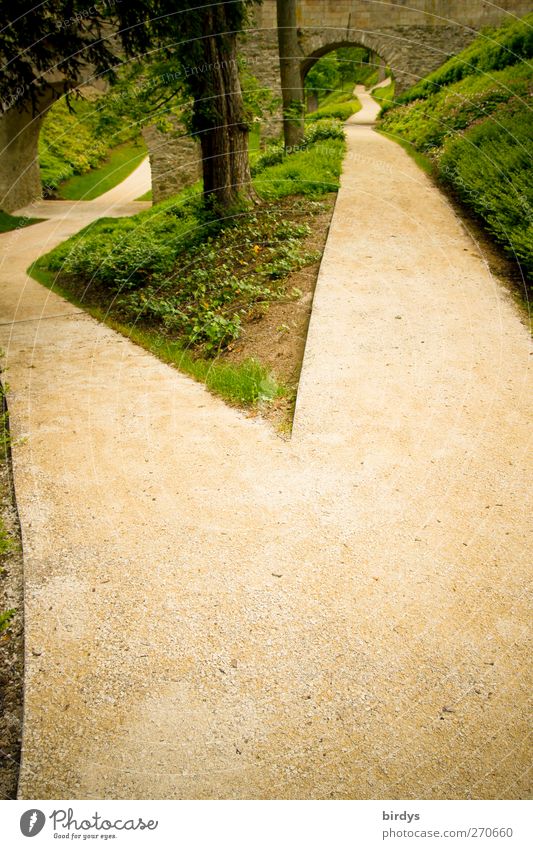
(331, 73)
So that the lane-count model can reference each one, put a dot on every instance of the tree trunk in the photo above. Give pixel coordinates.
(291, 78)
(20, 178)
(221, 120)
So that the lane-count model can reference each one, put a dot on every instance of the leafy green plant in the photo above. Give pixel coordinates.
(5, 619)
(490, 167)
(429, 122)
(322, 130)
(197, 279)
(184, 284)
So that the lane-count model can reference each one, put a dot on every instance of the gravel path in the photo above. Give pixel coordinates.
(214, 612)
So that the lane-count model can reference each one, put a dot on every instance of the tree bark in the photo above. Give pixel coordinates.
(291, 78)
(221, 120)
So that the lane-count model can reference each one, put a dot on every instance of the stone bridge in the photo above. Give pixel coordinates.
(412, 37)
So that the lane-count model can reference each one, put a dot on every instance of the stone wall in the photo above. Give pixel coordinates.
(410, 52)
(413, 37)
(174, 161)
(372, 14)
(20, 178)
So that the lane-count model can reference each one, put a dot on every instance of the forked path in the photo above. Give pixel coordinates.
(214, 612)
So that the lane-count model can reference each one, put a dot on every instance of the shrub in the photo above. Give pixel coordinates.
(324, 129)
(491, 169)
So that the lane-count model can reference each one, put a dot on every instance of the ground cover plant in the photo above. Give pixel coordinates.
(184, 283)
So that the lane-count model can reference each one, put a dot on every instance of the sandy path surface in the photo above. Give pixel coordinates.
(214, 612)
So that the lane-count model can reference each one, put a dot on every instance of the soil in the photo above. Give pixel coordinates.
(277, 336)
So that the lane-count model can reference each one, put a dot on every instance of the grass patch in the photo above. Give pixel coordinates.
(15, 222)
(120, 162)
(339, 111)
(311, 172)
(147, 196)
(75, 140)
(244, 384)
(385, 95)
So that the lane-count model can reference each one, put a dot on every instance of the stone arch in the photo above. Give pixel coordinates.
(410, 52)
(310, 59)
(20, 126)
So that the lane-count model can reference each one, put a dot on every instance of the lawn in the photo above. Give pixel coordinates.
(14, 222)
(121, 161)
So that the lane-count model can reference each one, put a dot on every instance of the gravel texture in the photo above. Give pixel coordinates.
(213, 612)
